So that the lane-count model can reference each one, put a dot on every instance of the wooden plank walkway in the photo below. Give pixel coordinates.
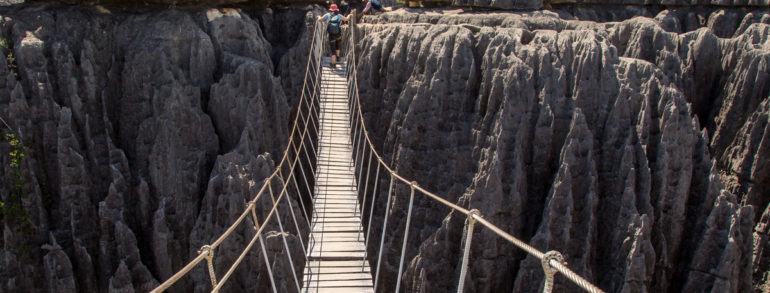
(336, 251)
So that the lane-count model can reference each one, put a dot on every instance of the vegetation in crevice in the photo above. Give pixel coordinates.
(13, 212)
(10, 60)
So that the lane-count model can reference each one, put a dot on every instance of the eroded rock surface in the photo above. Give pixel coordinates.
(588, 138)
(636, 146)
(147, 132)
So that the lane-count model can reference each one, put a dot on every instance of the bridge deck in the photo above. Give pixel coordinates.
(336, 260)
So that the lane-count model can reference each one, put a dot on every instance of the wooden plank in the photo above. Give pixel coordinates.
(339, 181)
(341, 155)
(335, 264)
(339, 190)
(340, 283)
(367, 289)
(349, 273)
(334, 234)
(328, 208)
(335, 213)
(335, 202)
(343, 190)
(341, 246)
(335, 194)
(341, 269)
(330, 197)
(340, 216)
(321, 202)
(325, 254)
(338, 226)
(331, 212)
(331, 200)
(335, 205)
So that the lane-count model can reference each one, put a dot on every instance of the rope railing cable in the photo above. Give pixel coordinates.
(371, 215)
(301, 200)
(560, 267)
(283, 237)
(468, 235)
(294, 218)
(406, 237)
(208, 251)
(366, 186)
(382, 237)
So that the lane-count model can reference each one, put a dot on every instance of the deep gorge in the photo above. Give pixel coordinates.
(631, 139)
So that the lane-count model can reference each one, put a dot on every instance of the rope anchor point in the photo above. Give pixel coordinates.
(473, 215)
(549, 270)
(206, 249)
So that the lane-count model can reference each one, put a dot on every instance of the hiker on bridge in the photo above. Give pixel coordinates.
(334, 26)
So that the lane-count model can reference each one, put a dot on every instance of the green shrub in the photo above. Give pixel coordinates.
(12, 208)
(8, 52)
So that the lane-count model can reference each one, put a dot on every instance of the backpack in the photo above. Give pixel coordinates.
(376, 4)
(334, 24)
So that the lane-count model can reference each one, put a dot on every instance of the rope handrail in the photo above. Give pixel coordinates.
(207, 250)
(476, 216)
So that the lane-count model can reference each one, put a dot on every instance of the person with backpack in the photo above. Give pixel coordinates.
(334, 27)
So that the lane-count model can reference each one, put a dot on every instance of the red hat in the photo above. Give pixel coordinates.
(333, 7)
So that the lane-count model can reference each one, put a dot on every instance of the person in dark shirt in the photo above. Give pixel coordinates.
(376, 4)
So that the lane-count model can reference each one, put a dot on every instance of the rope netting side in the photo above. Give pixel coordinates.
(360, 135)
(300, 144)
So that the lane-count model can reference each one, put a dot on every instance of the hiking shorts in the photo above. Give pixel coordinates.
(334, 42)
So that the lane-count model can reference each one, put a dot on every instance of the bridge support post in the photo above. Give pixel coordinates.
(468, 235)
(206, 249)
(406, 235)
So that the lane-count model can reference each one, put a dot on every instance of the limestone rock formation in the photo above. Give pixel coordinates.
(575, 136)
(138, 126)
(631, 139)
(716, 3)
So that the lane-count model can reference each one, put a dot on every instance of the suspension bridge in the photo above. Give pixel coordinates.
(330, 158)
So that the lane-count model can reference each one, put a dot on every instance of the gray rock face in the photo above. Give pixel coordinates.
(638, 5)
(637, 148)
(581, 137)
(723, 3)
(501, 4)
(147, 133)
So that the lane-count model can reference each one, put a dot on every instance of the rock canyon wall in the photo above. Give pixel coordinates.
(146, 131)
(636, 146)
